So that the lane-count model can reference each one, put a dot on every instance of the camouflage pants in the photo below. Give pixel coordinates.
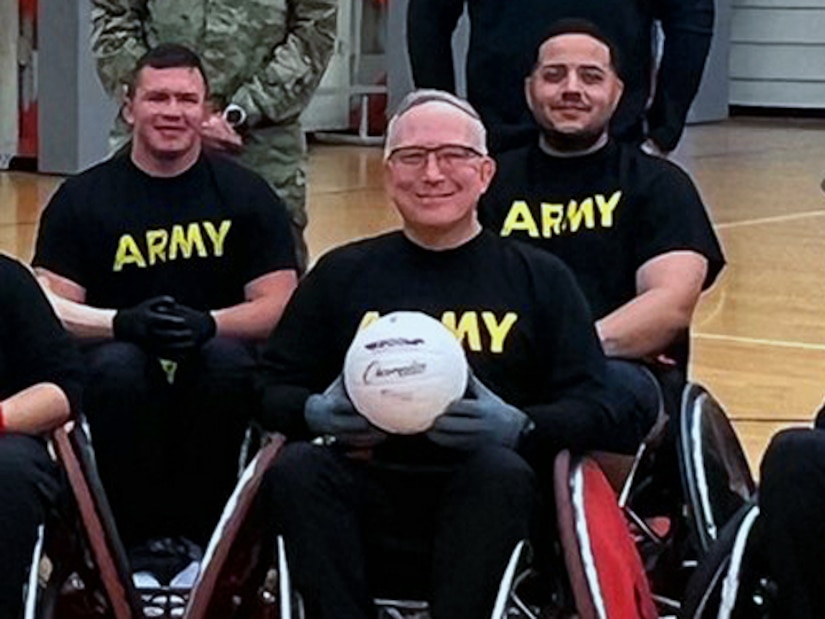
(278, 154)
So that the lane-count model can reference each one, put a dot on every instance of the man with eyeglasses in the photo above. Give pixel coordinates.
(464, 492)
(631, 227)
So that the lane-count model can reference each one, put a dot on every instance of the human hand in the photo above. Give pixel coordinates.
(200, 323)
(218, 134)
(481, 419)
(151, 325)
(331, 413)
(652, 148)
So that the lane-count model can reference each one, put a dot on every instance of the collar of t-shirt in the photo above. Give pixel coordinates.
(562, 154)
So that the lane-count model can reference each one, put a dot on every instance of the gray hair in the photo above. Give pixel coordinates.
(431, 95)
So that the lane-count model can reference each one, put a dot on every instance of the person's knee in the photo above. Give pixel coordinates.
(796, 455)
(26, 470)
(223, 366)
(115, 365)
(298, 470)
(636, 398)
(498, 471)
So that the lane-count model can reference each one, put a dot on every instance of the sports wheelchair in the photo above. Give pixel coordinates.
(79, 568)
(238, 578)
(711, 485)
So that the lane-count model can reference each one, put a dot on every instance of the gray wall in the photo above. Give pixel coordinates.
(74, 113)
(778, 53)
(8, 79)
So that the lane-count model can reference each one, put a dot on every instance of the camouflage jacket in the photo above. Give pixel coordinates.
(265, 55)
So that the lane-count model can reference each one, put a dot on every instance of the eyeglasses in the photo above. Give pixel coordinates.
(448, 156)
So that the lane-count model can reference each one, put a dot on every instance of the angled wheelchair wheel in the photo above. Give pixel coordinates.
(715, 473)
(90, 574)
(236, 577)
(605, 571)
(730, 581)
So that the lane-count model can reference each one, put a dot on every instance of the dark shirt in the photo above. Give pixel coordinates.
(200, 236)
(34, 348)
(604, 215)
(518, 313)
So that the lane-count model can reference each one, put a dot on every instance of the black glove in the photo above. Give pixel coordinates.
(332, 414)
(483, 418)
(201, 323)
(151, 326)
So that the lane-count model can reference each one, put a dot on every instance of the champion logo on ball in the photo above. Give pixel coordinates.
(375, 372)
(396, 341)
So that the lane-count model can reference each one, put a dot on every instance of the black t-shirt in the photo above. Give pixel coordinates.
(604, 214)
(34, 348)
(200, 236)
(522, 321)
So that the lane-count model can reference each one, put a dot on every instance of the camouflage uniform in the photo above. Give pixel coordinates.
(266, 56)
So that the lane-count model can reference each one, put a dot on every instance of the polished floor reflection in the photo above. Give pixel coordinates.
(759, 336)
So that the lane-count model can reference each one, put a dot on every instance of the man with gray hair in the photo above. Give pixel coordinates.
(433, 515)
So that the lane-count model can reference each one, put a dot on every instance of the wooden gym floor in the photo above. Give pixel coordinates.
(759, 334)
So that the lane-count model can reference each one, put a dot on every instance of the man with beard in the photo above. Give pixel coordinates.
(505, 35)
(632, 227)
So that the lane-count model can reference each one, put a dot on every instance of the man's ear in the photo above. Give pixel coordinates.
(618, 95)
(528, 96)
(488, 171)
(126, 112)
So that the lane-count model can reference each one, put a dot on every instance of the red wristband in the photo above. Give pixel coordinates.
(2, 421)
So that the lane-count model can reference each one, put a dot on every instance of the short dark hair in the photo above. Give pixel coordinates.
(576, 25)
(166, 56)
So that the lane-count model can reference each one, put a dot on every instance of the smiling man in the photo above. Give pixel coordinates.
(462, 493)
(170, 264)
(659, 89)
(632, 227)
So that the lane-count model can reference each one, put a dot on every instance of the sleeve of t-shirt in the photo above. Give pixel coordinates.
(674, 218)
(41, 349)
(576, 414)
(58, 247)
(268, 240)
(302, 355)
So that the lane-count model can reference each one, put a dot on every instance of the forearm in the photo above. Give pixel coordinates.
(577, 424)
(81, 320)
(644, 327)
(36, 409)
(282, 410)
(251, 320)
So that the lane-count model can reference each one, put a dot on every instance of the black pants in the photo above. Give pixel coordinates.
(29, 485)
(355, 529)
(167, 443)
(792, 504)
(636, 394)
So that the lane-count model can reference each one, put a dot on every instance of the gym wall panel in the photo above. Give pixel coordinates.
(781, 63)
(778, 53)
(792, 95)
(75, 115)
(782, 4)
(8, 78)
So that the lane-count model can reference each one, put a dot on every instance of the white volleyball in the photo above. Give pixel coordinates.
(403, 370)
